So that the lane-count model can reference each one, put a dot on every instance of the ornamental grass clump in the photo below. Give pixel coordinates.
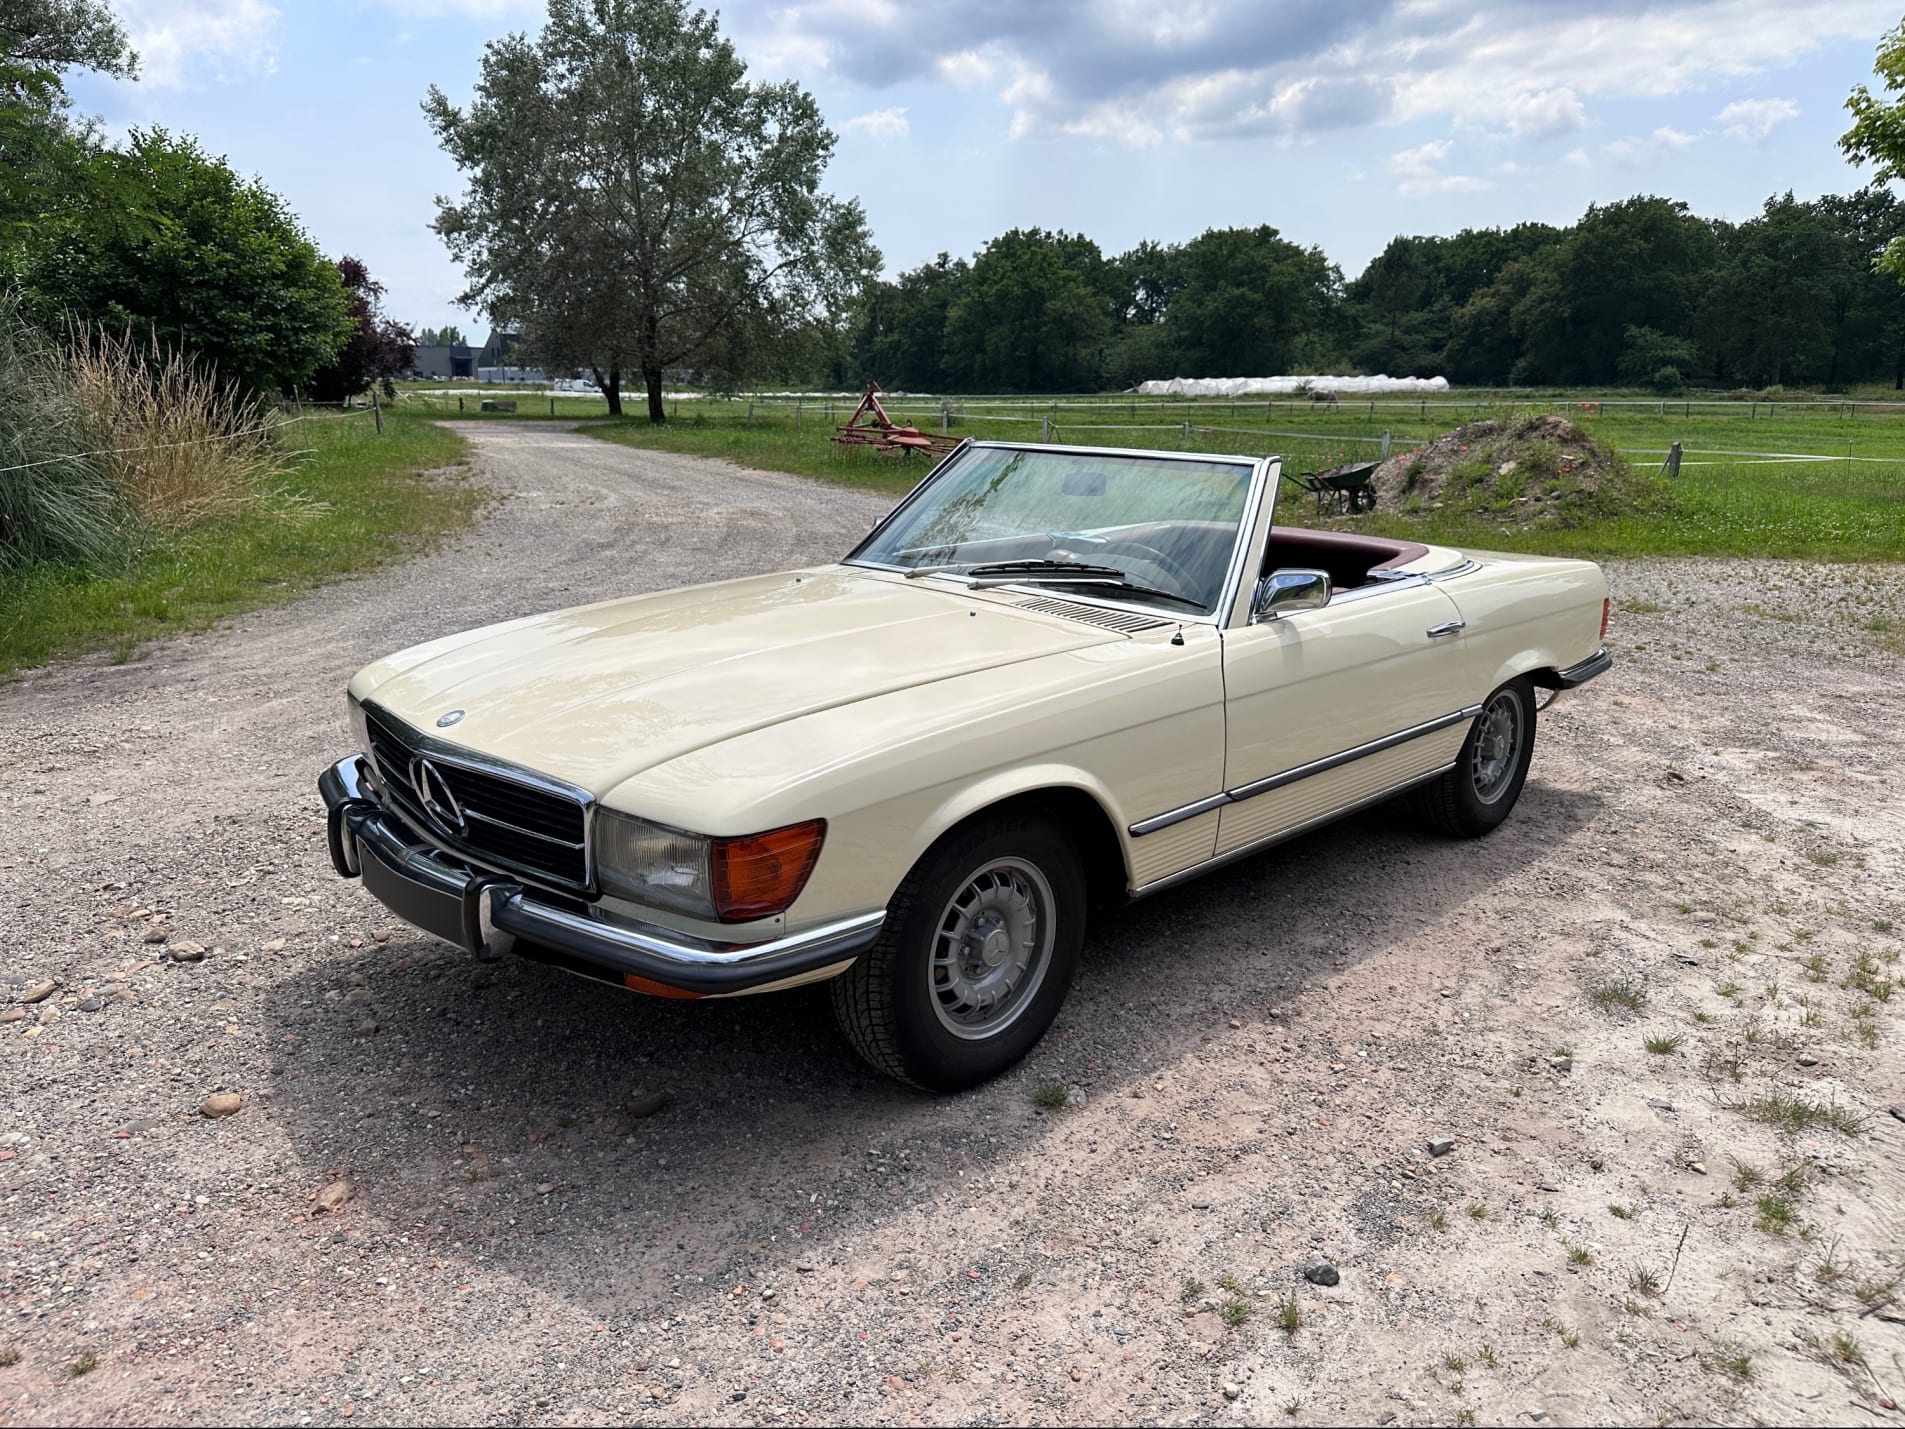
(184, 447)
(58, 505)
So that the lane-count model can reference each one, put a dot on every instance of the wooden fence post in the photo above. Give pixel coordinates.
(376, 411)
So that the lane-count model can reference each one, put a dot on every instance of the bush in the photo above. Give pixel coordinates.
(1667, 380)
(58, 504)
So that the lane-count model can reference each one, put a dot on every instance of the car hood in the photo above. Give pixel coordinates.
(597, 694)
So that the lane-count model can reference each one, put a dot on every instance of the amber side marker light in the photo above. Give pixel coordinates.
(761, 874)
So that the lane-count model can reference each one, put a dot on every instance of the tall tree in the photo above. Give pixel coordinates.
(1033, 316)
(1877, 135)
(1250, 300)
(41, 148)
(635, 203)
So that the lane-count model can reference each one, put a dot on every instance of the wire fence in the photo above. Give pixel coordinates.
(193, 442)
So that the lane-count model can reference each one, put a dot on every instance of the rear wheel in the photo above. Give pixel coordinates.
(1475, 796)
(976, 954)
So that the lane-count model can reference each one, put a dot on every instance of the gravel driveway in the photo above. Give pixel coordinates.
(1710, 855)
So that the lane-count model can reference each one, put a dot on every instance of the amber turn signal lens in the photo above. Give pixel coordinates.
(761, 874)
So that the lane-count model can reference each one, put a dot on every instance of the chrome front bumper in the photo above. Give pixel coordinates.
(491, 912)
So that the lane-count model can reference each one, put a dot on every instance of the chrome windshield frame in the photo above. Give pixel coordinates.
(1262, 476)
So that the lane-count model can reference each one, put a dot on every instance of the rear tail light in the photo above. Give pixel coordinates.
(1607, 609)
(762, 874)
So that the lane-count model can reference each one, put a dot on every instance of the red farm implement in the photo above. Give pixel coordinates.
(869, 426)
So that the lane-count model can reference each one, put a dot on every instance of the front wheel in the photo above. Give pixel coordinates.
(976, 955)
(1474, 797)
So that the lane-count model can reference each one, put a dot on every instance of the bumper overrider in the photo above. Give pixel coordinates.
(492, 914)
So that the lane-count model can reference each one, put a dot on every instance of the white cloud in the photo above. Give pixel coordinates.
(1546, 114)
(1649, 148)
(880, 124)
(1142, 72)
(182, 42)
(1419, 172)
(1751, 120)
(1578, 158)
(964, 69)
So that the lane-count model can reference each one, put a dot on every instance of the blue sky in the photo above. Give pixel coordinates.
(1342, 122)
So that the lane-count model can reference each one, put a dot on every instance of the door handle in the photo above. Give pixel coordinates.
(1447, 627)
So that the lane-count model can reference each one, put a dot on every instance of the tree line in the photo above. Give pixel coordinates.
(1640, 292)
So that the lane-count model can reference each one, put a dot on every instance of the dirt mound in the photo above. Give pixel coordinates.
(1535, 470)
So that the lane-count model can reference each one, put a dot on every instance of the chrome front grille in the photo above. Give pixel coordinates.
(509, 822)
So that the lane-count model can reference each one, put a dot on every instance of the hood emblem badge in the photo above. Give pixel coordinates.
(449, 719)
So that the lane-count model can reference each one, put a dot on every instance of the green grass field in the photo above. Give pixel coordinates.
(1824, 481)
(352, 500)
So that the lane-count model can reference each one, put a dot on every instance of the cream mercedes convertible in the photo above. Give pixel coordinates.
(1050, 680)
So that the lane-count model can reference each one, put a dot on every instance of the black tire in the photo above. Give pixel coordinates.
(886, 1003)
(1461, 802)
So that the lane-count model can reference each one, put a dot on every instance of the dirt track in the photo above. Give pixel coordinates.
(1256, 1065)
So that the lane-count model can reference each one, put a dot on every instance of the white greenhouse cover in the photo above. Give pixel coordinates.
(1284, 386)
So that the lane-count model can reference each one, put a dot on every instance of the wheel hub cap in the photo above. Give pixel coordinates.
(994, 940)
(1497, 747)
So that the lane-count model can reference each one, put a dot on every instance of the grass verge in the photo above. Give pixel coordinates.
(350, 500)
(1839, 497)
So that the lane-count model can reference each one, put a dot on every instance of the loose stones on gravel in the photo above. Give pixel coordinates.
(333, 1196)
(1441, 1145)
(220, 1104)
(185, 952)
(40, 991)
(1322, 1273)
(644, 1104)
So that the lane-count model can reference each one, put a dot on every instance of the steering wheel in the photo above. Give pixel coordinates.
(1188, 583)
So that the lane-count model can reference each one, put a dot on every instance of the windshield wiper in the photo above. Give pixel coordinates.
(1014, 570)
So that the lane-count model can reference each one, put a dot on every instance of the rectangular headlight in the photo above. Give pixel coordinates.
(649, 863)
(731, 880)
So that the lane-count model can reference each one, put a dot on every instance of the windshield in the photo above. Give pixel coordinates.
(1148, 528)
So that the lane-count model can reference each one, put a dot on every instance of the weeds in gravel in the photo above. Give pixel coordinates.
(1578, 1254)
(1570, 1338)
(1625, 995)
(1645, 1282)
(1703, 1017)
(1293, 1408)
(1727, 989)
(1664, 1044)
(1881, 925)
(85, 1364)
(1231, 1285)
(1775, 1214)
(1621, 1213)
(1846, 1348)
(1289, 1314)
(1550, 1219)
(1730, 1359)
(1746, 1175)
(1021, 1280)
(1050, 1095)
(1865, 978)
(9, 1356)
(1816, 968)
(1486, 1354)
(1193, 1289)
(1454, 1364)
(1234, 1311)
(1438, 1220)
(1465, 1415)
(1478, 1212)
(1795, 1114)
(1827, 1270)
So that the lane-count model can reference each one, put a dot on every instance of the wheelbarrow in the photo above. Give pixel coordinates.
(1345, 488)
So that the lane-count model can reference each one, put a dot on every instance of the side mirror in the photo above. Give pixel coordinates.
(1287, 591)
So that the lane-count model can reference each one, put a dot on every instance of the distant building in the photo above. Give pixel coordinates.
(443, 363)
